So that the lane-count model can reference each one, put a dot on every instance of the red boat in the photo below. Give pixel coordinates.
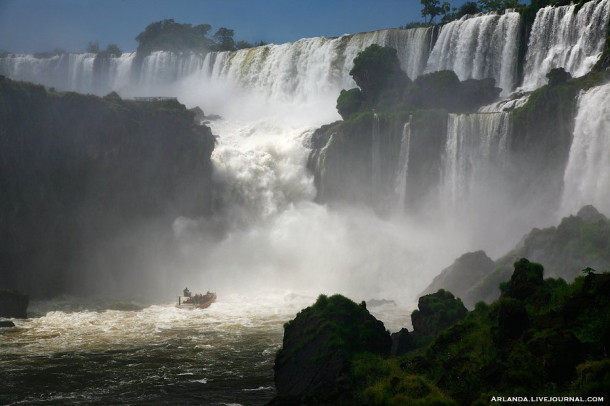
(197, 301)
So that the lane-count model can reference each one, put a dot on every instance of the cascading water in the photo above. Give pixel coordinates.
(402, 172)
(375, 157)
(479, 47)
(564, 38)
(413, 47)
(273, 237)
(308, 68)
(474, 162)
(587, 175)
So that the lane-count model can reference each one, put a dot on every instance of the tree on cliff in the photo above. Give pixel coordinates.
(433, 8)
(224, 39)
(168, 35)
(375, 69)
(498, 5)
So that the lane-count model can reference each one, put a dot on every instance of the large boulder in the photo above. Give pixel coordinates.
(462, 275)
(526, 280)
(376, 69)
(13, 304)
(313, 366)
(402, 342)
(436, 312)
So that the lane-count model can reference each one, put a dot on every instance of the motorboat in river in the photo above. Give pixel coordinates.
(197, 301)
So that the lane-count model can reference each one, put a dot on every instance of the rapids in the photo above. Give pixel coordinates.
(270, 249)
(71, 352)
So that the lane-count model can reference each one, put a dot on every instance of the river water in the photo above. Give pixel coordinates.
(71, 352)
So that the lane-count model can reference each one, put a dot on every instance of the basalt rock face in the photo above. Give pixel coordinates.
(88, 184)
(313, 366)
(436, 312)
(462, 275)
(578, 242)
(13, 304)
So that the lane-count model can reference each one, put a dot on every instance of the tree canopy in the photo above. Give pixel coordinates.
(433, 8)
(168, 35)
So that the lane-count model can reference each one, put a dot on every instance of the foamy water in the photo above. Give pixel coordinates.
(103, 352)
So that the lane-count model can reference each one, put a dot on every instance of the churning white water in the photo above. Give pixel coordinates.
(587, 175)
(102, 352)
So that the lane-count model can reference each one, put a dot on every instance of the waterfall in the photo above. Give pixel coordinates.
(402, 172)
(562, 37)
(475, 151)
(587, 174)
(314, 67)
(304, 70)
(414, 46)
(375, 157)
(478, 47)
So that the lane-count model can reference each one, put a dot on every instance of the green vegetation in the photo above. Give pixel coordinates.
(388, 98)
(433, 8)
(541, 338)
(377, 70)
(436, 312)
(349, 102)
(385, 383)
(168, 35)
(385, 87)
(349, 326)
(319, 346)
(520, 346)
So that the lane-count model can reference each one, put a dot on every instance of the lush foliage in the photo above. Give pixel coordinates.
(377, 69)
(318, 348)
(436, 312)
(433, 8)
(384, 86)
(349, 102)
(522, 346)
(541, 338)
(168, 35)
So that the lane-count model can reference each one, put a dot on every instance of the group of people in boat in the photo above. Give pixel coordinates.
(197, 298)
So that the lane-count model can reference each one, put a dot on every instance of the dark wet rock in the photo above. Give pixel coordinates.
(402, 342)
(6, 324)
(526, 280)
(13, 304)
(513, 320)
(199, 114)
(436, 312)
(313, 366)
(462, 276)
(589, 214)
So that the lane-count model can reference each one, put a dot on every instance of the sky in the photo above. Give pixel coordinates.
(29, 26)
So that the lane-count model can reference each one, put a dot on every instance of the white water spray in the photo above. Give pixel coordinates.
(474, 184)
(564, 38)
(402, 172)
(479, 47)
(587, 175)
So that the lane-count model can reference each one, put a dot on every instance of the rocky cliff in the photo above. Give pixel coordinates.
(541, 336)
(89, 186)
(313, 366)
(578, 242)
